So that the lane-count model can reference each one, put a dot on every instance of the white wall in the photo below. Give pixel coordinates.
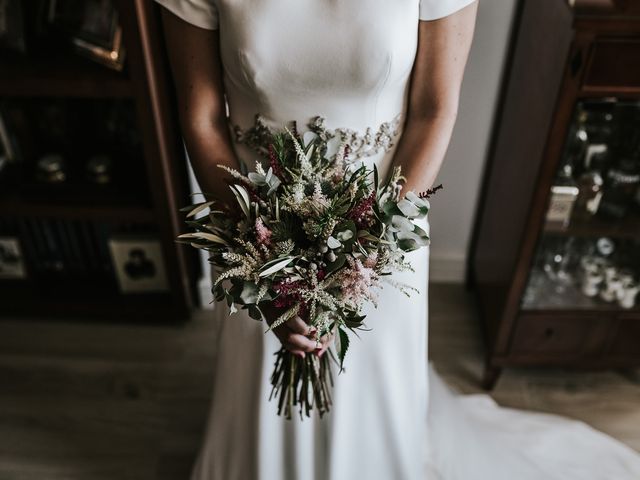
(453, 207)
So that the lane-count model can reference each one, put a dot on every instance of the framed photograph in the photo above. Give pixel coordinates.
(12, 265)
(94, 28)
(138, 264)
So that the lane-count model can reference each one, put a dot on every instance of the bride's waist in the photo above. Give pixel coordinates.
(370, 142)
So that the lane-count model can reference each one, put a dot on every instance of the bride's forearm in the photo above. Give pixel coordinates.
(208, 144)
(194, 55)
(422, 147)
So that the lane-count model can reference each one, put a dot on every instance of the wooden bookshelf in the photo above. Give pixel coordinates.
(145, 82)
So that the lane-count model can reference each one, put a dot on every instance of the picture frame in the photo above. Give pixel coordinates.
(94, 28)
(12, 263)
(138, 264)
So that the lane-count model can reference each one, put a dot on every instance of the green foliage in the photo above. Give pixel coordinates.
(342, 346)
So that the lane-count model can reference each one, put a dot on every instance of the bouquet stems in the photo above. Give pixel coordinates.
(304, 383)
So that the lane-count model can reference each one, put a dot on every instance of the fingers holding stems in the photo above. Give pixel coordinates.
(300, 338)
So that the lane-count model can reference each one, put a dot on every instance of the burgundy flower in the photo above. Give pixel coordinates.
(288, 293)
(274, 163)
(362, 212)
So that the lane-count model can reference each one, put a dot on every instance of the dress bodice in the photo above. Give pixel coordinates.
(348, 62)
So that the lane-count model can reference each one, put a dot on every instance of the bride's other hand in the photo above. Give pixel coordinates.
(296, 335)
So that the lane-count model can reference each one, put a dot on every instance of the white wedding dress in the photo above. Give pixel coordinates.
(349, 62)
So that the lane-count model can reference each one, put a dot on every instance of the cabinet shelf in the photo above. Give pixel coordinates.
(60, 75)
(79, 211)
(75, 203)
(545, 295)
(629, 227)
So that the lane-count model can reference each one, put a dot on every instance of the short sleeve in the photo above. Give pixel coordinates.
(201, 13)
(434, 9)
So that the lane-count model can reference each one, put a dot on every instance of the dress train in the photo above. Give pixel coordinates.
(473, 438)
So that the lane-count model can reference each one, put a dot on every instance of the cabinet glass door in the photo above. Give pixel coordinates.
(588, 254)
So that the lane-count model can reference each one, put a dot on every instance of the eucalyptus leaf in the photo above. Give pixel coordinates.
(420, 241)
(249, 294)
(391, 208)
(332, 242)
(308, 137)
(408, 208)
(419, 202)
(407, 245)
(402, 223)
(345, 235)
(421, 232)
(257, 178)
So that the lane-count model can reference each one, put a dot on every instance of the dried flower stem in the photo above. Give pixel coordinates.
(429, 192)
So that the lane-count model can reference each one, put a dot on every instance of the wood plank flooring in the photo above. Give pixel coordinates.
(95, 401)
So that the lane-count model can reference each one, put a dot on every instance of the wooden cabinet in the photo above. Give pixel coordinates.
(557, 233)
(145, 203)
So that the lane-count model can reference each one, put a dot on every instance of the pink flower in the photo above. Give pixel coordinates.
(263, 232)
(358, 280)
(371, 260)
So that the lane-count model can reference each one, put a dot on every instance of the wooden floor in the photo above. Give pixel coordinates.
(83, 401)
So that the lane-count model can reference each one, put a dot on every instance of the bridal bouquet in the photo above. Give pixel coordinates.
(314, 236)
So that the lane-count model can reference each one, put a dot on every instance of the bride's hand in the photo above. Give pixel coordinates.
(296, 335)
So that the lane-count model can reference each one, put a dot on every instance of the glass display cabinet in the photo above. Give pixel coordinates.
(588, 254)
(555, 257)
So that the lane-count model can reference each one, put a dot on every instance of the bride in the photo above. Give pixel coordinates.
(387, 74)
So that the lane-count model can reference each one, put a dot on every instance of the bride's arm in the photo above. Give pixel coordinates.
(443, 48)
(195, 63)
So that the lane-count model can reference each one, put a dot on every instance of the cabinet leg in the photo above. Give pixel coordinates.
(491, 376)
